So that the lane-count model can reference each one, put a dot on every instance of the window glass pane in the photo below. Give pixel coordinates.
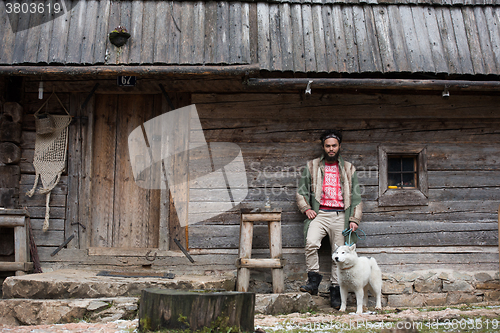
(408, 163)
(394, 179)
(394, 164)
(408, 180)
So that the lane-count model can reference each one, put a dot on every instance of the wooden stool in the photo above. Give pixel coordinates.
(276, 263)
(16, 218)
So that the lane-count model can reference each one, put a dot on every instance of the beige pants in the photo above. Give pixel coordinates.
(325, 223)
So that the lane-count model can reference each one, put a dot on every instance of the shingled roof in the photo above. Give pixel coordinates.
(316, 36)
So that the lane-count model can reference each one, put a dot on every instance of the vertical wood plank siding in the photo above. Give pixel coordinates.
(297, 36)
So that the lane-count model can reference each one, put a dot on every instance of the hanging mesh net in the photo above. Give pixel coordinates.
(50, 158)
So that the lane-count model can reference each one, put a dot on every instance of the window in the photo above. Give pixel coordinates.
(402, 171)
(402, 176)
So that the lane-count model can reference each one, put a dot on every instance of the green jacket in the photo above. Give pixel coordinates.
(311, 186)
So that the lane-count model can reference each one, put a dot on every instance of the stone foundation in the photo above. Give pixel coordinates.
(439, 288)
(423, 288)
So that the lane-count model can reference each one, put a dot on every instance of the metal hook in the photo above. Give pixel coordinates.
(445, 92)
(308, 88)
(147, 256)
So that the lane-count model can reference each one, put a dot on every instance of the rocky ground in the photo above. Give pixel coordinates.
(476, 318)
(111, 327)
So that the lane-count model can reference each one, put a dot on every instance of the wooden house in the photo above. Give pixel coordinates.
(407, 81)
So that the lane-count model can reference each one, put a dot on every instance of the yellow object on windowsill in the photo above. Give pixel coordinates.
(392, 187)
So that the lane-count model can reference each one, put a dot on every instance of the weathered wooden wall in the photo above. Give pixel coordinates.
(277, 134)
(35, 205)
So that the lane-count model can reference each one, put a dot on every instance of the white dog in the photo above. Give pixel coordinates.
(357, 274)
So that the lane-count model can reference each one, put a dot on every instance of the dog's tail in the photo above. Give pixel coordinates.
(373, 264)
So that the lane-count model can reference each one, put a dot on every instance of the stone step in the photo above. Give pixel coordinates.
(15, 312)
(68, 283)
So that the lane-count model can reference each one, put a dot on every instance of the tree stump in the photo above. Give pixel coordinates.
(194, 310)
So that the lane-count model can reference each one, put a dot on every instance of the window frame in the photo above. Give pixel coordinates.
(418, 196)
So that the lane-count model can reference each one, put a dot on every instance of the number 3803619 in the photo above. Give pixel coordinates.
(32, 8)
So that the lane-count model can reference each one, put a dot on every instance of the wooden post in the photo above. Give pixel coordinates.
(20, 244)
(499, 234)
(276, 253)
(244, 263)
(244, 252)
(16, 219)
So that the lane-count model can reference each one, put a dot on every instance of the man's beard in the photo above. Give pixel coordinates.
(333, 158)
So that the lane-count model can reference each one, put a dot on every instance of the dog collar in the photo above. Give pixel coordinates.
(347, 268)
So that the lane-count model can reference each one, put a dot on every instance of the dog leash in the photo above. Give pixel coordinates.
(348, 233)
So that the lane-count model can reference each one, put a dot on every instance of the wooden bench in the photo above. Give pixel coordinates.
(17, 219)
(244, 261)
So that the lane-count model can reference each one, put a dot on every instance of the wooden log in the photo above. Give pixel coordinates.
(10, 153)
(350, 83)
(195, 310)
(9, 176)
(149, 71)
(10, 131)
(16, 266)
(13, 111)
(9, 197)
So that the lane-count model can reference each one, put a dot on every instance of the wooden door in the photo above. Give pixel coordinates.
(123, 214)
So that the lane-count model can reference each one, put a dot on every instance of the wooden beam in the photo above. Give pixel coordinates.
(11, 221)
(16, 266)
(132, 252)
(287, 84)
(260, 263)
(261, 217)
(144, 71)
(363, 251)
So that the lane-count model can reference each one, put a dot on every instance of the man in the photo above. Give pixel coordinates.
(329, 195)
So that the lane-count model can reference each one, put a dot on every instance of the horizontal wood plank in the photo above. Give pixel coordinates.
(261, 217)
(378, 234)
(456, 258)
(259, 263)
(48, 238)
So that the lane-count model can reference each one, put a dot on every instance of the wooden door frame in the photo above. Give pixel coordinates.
(80, 168)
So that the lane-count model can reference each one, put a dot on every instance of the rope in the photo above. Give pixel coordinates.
(32, 191)
(47, 213)
(349, 232)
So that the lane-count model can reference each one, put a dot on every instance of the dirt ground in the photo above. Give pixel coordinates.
(459, 319)
(464, 318)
